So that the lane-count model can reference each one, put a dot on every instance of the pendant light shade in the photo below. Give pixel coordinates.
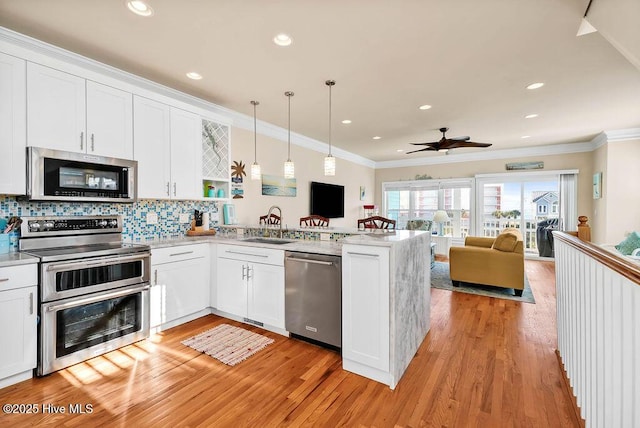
(256, 173)
(289, 168)
(329, 160)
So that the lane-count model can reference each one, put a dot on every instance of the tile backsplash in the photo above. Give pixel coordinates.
(135, 227)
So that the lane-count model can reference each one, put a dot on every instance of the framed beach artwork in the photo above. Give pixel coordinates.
(597, 185)
(278, 186)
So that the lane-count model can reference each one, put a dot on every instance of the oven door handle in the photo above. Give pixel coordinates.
(54, 267)
(98, 298)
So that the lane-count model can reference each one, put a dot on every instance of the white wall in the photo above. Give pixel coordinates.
(621, 191)
(308, 167)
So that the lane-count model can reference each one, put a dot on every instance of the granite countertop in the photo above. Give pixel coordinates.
(383, 239)
(17, 258)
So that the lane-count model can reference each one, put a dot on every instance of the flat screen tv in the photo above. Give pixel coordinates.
(327, 200)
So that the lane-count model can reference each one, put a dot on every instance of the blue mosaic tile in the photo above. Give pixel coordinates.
(135, 227)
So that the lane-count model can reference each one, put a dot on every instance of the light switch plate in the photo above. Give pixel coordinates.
(152, 218)
(214, 216)
(325, 237)
(240, 232)
(184, 218)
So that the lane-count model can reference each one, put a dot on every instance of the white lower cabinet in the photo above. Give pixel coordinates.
(250, 283)
(365, 311)
(179, 283)
(18, 328)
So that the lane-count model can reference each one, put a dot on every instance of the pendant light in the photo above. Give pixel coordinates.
(256, 174)
(330, 161)
(289, 169)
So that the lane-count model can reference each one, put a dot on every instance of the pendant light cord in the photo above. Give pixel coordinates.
(330, 83)
(289, 94)
(255, 133)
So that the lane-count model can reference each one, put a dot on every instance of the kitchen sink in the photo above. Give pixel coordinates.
(268, 241)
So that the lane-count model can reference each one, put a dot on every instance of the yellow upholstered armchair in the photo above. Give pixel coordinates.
(495, 261)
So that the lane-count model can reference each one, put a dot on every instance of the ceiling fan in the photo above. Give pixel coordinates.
(448, 143)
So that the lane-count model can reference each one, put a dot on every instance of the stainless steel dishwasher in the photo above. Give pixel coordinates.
(313, 296)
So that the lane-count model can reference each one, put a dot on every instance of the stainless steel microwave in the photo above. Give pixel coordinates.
(56, 175)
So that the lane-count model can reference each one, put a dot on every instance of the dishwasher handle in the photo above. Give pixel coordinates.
(316, 262)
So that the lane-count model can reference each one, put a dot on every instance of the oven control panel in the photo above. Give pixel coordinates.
(39, 226)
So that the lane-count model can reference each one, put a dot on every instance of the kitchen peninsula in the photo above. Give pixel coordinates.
(385, 291)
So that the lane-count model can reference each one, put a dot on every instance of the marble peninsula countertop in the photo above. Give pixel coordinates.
(374, 238)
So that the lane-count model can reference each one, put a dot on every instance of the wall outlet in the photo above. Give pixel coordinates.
(239, 232)
(325, 237)
(152, 218)
(184, 218)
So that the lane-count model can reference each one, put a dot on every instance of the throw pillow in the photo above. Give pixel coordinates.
(629, 244)
(506, 242)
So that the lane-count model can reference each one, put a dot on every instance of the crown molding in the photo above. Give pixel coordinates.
(616, 135)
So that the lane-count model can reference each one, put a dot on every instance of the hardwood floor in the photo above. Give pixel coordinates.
(485, 363)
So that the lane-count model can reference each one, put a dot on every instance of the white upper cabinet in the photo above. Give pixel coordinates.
(186, 165)
(152, 149)
(66, 112)
(109, 121)
(12, 125)
(167, 148)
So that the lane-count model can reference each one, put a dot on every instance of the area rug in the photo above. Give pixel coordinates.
(228, 344)
(440, 279)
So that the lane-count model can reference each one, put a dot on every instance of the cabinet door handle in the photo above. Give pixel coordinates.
(174, 188)
(155, 277)
(249, 270)
(243, 268)
(82, 140)
(168, 189)
(93, 149)
(30, 303)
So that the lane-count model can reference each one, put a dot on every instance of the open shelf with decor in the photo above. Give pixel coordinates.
(216, 159)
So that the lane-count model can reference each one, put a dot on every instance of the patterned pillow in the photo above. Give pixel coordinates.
(629, 244)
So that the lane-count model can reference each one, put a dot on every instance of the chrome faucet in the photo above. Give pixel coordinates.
(269, 217)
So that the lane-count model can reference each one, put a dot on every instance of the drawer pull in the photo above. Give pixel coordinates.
(181, 254)
(246, 254)
(363, 254)
(4, 279)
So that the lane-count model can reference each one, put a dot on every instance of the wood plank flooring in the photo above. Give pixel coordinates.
(485, 363)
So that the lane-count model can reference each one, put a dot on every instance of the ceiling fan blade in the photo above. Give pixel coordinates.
(474, 144)
(429, 148)
(460, 144)
(425, 144)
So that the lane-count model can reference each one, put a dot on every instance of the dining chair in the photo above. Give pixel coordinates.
(314, 220)
(273, 219)
(376, 222)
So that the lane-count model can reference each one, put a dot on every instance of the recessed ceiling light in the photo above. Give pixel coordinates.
(193, 75)
(525, 136)
(400, 150)
(425, 107)
(346, 121)
(376, 137)
(535, 85)
(531, 116)
(282, 40)
(139, 8)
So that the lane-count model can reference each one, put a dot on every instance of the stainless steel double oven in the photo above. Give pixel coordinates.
(93, 289)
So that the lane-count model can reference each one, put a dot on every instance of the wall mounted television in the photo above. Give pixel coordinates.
(327, 200)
